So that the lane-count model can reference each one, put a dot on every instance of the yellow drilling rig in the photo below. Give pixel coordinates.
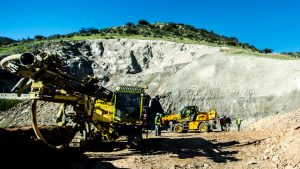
(98, 111)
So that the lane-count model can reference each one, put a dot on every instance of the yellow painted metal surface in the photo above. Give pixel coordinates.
(171, 117)
(193, 125)
(104, 111)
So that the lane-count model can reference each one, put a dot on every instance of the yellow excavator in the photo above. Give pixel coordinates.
(191, 119)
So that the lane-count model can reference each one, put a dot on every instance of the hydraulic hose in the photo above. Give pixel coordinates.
(37, 131)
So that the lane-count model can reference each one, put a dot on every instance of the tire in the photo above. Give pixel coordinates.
(134, 141)
(178, 128)
(203, 127)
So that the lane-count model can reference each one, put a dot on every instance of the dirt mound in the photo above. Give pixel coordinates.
(282, 147)
(279, 122)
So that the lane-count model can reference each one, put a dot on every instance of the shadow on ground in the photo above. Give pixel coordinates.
(182, 148)
(20, 148)
(187, 148)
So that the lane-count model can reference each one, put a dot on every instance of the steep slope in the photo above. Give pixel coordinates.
(282, 147)
(188, 74)
(236, 85)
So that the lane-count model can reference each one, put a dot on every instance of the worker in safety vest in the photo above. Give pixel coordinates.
(238, 122)
(157, 123)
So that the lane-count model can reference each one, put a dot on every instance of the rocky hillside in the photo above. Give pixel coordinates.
(142, 30)
(188, 74)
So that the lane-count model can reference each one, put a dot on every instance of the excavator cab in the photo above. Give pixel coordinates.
(188, 113)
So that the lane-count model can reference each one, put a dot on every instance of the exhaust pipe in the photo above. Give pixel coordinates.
(27, 59)
(20, 64)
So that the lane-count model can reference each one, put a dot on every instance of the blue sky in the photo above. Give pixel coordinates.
(271, 24)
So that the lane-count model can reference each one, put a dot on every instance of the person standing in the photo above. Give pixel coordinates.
(222, 123)
(157, 123)
(228, 123)
(238, 122)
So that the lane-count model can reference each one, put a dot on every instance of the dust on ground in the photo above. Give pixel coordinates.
(261, 145)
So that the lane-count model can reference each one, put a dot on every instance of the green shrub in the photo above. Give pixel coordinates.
(6, 104)
(129, 24)
(143, 22)
(267, 50)
(39, 37)
(6, 41)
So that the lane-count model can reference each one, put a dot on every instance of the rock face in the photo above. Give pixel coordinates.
(250, 87)
(187, 74)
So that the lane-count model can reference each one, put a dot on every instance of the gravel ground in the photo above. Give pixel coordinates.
(249, 148)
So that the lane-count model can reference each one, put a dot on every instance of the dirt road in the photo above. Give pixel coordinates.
(244, 149)
(272, 142)
(189, 150)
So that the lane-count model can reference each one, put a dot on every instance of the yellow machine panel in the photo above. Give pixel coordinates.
(171, 117)
(193, 125)
(104, 111)
(201, 117)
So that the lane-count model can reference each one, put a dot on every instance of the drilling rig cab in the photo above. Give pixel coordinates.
(124, 115)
